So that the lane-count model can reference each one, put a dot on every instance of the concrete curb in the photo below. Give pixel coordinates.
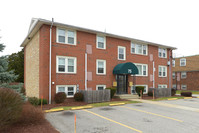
(81, 107)
(188, 97)
(172, 98)
(116, 104)
(54, 110)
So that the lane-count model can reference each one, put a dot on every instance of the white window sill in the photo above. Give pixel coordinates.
(67, 43)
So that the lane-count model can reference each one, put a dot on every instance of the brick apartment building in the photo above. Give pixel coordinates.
(186, 73)
(60, 57)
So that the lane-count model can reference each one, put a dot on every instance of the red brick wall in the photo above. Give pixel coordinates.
(191, 80)
(110, 55)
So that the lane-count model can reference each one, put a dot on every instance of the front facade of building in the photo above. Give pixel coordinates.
(186, 73)
(85, 59)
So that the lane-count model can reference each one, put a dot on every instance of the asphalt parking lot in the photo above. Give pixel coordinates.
(130, 118)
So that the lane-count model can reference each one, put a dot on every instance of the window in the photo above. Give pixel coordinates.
(183, 75)
(66, 64)
(162, 71)
(138, 49)
(66, 36)
(174, 86)
(100, 87)
(173, 63)
(162, 86)
(101, 42)
(173, 75)
(142, 69)
(121, 53)
(183, 87)
(101, 67)
(145, 89)
(68, 89)
(162, 52)
(183, 62)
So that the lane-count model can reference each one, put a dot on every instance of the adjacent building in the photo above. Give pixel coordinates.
(186, 73)
(65, 58)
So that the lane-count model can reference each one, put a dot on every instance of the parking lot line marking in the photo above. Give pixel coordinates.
(113, 121)
(151, 113)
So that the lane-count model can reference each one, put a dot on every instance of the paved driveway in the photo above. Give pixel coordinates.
(130, 118)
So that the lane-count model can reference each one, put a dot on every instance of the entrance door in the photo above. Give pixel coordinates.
(122, 84)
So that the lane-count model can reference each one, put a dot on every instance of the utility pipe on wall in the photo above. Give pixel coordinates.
(50, 54)
(86, 71)
(153, 74)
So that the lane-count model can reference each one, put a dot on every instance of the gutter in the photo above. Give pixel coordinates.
(50, 52)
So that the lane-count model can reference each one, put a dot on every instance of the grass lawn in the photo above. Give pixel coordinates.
(193, 92)
(98, 104)
(165, 98)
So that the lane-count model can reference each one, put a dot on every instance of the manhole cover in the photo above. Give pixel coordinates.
(146, 120)
(107, 109)
(139, 105)
(68, 113)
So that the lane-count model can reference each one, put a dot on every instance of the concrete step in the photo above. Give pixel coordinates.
(128, 96)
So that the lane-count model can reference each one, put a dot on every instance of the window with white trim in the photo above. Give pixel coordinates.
(183, 62)
(162, 70)
(142, 69)
(173, 63)
(145, 89)
(100, 87)
(66, 36)
(138, 49)
(66, 64)
(162, 52)
(101, 66)
(101, 42)
(121, 53)
(173, 75)
(174, 86)
(162, 86)
(183, 87)
(183, 75)
(68, 89)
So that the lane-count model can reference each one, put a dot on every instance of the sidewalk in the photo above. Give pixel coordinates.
(167, 105)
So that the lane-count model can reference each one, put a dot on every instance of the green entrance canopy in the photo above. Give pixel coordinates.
(125, 68)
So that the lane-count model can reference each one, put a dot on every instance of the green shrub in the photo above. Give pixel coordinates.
(10, 107)
(150, 93)
(44, 101)
(112, 90)
(78, 96)
(23, 91)
(173, 92)
(33, 100)
(60, 97)
(138, 90)
(186, 94)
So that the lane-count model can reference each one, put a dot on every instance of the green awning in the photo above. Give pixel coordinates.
(125, 68)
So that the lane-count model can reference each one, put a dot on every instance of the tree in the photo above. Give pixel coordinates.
(5, 76)
(16, 63)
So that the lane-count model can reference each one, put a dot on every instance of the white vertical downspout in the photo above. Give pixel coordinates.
(153, 74)
(170, 69)
(86, 71)
(50, 54)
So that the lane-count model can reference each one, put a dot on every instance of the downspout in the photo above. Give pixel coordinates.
(50, 52)
(170, 68)
(153, 74)
(86, 71)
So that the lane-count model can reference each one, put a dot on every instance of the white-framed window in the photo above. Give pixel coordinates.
(183, 87)
(174, 86)
(66, 64)
(139, 49)
(100, 87)
(142, 69)
(173, 75)
(66, 36)
(162, 52)
(173, 63)
(145, 89)
(121, 53)
(101, 42)
(100, 67)
(162, 86)
(183, 62)
(162, 70)
(68, 89)
(183, 75)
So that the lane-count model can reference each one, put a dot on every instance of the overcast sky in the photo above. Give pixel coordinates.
(168, 22)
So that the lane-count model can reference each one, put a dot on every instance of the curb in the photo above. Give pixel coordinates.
(172, 98)
(53, 110)
(81, 107)
(116, 104)
(187, 97)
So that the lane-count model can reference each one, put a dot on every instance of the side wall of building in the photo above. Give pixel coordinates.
(31, 74)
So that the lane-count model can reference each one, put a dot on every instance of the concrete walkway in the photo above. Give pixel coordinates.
(167, 105)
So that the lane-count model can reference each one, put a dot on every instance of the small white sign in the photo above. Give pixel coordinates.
(129, 70)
